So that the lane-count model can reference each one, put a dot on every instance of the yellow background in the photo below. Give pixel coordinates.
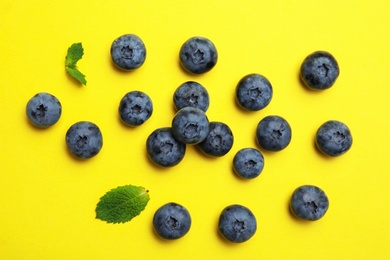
(48, 198)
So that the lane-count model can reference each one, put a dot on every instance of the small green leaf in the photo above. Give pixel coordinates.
(75, 73)
(122, 204)
(75, 53)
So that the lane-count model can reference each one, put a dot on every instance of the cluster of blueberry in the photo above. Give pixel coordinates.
(166, 146)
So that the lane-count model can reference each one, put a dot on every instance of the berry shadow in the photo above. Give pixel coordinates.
(155, 166)
(319, 152)
(121, 71)
(187, 72)
(158, 238)
(306, 88)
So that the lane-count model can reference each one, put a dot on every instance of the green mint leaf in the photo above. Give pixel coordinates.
(75, 53)
(75, 73)
(122, 204)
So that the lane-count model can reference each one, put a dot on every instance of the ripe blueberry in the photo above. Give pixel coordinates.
(191, 94)
(273, 133)
(163, 149)
(237, 223)
(309, 202)
(219, 141)
(253, 92)
(135, 108)
(171, 221)
(128, 52)
(84, 139)
(43, 110)
(334, 138)
(248, 163)
(190, 125)
(319, 70)
(198, 55)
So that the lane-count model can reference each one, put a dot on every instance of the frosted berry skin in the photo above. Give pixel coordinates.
(190, 125)
(254, 92)
(163, 149)
(128, 52)
(319, 70)
(171, 221)
(135, 108)
(191, 94)
(84, 139)
(43, 110)
(248, 163)
(198, 55)
(219, 141)
(237, 223)
(273, 133)
(309, 202)
(333, 138)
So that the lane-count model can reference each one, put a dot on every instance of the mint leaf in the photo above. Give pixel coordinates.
(75, 53)
(75, 73)
(122, 204)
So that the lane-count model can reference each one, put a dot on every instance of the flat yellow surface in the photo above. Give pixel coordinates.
(48, 198)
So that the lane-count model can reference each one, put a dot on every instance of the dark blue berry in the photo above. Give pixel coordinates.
(163, 149)
(84, 139)
(191, 94)
(190, 125)
(253, 92)
(43, 110)
(198, 55)
(219, 141)
(135, 108)
(248, 163)
(128, 52)
(309, 202)
(319, 70)
(333, 138)
(273, 133)
(171, 221)
(237, 223)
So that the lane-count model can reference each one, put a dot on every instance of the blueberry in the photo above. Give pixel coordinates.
(253, 92)
(319, 70)
(237, 223)
(171, 221)
(273, 133)
(309, 202)
(248, 163)
(198, 55)
(128, 52)
(135, 108)
(84, 139)
(191, 94)
(163, 149)
(219, 141)
(333, 138)
(43, 110)
(190, 125)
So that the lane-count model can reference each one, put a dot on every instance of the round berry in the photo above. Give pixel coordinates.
(190, 125)
(171, 221)
(43, 110)
(273, 133)
(253, 92)
(309, 202)
(319, 70)
(84, 139)
(333, 138)
(191, 94)
(248, 163)
(237, 223)
(163, 149)
(135, 108)
(219, 141)
(198, 55)
(128, 52)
